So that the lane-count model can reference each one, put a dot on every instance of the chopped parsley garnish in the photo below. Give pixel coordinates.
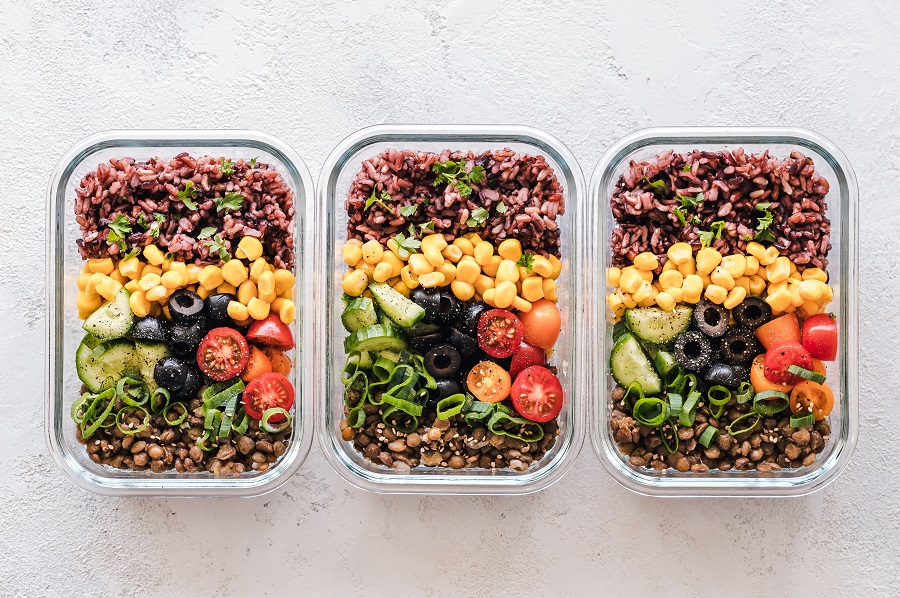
(501, 208)
(527, 262)
(119, 228)
(142, 221)
(407, 211)
(131, 254)
(252, 162)
(686, 168)
(160, 220)
(232, 201)
(169, 256)
(658, 185)
(227, 167)
(217, 245)
(477, 217)
(406, 245)
(428, 226)
(379, 199)
(207, 232)
(688, 201)
(764, 222)
(714, 232)
(453, 173)
(188, 194)
(683, 217)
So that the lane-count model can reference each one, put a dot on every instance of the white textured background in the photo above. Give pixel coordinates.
(311, 74)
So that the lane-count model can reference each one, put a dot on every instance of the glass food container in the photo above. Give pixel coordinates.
(64, 330)
(570, 354)
(842, 270)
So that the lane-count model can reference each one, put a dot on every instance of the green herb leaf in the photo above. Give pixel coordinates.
(207, 232)
(454, 174)
(765, 236)
(131, 254)
(688, 201)
(428, 226)
(477, 217)
(477, 175)
(501, 208)
(407, 211)
(142, 221)
(706, 238)
(406, 245)
(527, 262)
(718, 226)
(463, 189)
(160, 220)
(765, 221)
(658, 185)
(412, 230)
(686, 168)
(169, 256)
(379, 199)
(122, 225)
(188, 194)
(231, 201)
(227, 167)
(252, 162)
(681, 214)
(217, 245)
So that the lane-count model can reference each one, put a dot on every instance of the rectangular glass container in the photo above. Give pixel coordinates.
(570, 356)
(842, 200)
(64, 330)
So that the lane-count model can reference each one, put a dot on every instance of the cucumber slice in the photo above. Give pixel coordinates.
(421, 329)
(398, 308)
(619, 329)
(113, 319)
(101, 364)
(359, 313)
(664, 362)
(628, 363)
(654, 325)
(375, 338)
(148, 354)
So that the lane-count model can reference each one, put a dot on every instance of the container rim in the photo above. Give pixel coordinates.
(458, 484)
(171, 486)
(724, 484)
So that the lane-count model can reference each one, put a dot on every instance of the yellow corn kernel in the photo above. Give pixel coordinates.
(795, 275)
(452, 253)
(464, 245)
(192, 273)
(131, 267)
(449, 272)
(482, 283)
(626, 298)
(473, 237)
(669, 265)
(613, 275)
(644, 291)
(92, 283)
(151, 269)
(488, 297)
(707, 260)
(556, 266)
(811, 290)
(483, 252)
(248, 290)
(780, 300)
(82, 281)
(665, 301)
(809, 308)
(258, 267)
(366, 268)
(434, 241)
(510, 249)
(108, 288)
(265, 285)
(419, 264)
(401, 288)
(157, 293)
(504, 293)
(372, 252)
(687, 268)
(756, 250)
(706, 280)
(520, 304)
(249, 248)
(796, 298)
(779, 270)
(757, 284)
(815, 274)
(234, 272)
(181, 269)
(351, 254)
(408, 277)
(716, 293)
(117, 276)
(276, 304)
(467, 271)
(743, 282)
(542, 267)
(237, 310)
(533, 289)
(736, 265)
(87, 304)
(693, 285)
(615, 304)
(775, 286)
(139, 304)
(549, 286)
(210, 277)
(102, 265)
(287, 311)
(735, 296)
(507, 270)
(680, 253)
(630, 279)
(355, 283)
(490, 268)
(722, 277)
(431, 280)
(691, 298)
(434, 257)
(284, 279)
(752, 266)
(769, 257)
(148, 281)
(132, 286)
(173, 280)
(258, 309)
(153, 255)
(382, 272)
(646, 261)
(671, 278)
(676, 293)
(388, 258)
(646, 275)
(463, 290)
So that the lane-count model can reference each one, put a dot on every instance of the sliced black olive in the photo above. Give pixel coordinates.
(184, 338)
(149, 329)
(430, 301)
(465, 344)
(711, 319)
(449, 308)
(445, 387)
(442, 361)
(216, 306)
(739, 345)
(185, 306)
(722, 373)
(692, 350)
(470, 315)
(177, 375)
(752, 312)
(421, 344)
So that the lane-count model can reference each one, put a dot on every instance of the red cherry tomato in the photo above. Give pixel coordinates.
(499, 333)
(526, 356)
(820, 336)
(537, 394)
(782, 356)
(223, 353)
(267, 391)
(271, 332)
(541, 323)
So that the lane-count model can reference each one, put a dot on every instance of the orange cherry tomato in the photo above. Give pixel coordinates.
(819, 367)
(541, 324)
(489, 382)
(758, 377)
(281, 363)
(258, 365)
(779, 330)
(811, 397)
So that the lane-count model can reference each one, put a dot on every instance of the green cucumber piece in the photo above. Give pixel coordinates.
(401, 310)
(375, 338)
(113, 319)
(421, 329)
(100, 364)
(628, 364)
(655, 325)
(359, 313)
(148, 354)
(664, 362)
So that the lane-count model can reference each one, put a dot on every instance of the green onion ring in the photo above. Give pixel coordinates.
(801, 420)
(77, 406)
(669, 380)
(730, 428)
(650, 412)
(634, 386)
(203, 442)
(690, 384)
(709, 434)
(177, 421)
(806, 374)
(392, 423)
(356, 417)
(770, 402)
(502, 415)
(383, 368)
(109, 397)
(144, 425)
(677, 384)
(227, 417)
(478, 412)
(155, 406)
(351, 368)
(241, 422)
(450, 406)
(675, 403)
(268, 414)
(358, 384)
(724, 396)
(127, 396)
(225, 395)
(744, 392)
(408, 407)
(689, 409)
(669, 432)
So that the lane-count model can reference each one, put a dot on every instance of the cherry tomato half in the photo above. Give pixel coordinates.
(758, 377)
(257, 365)
(537, 394)
(267, 391)
(810, 397)
(281, 363)
(489, 382)
(780, 330)
(782, 356)
(499, 333)
(223, 353)
(542, 324)
(526, 356)
(271, 332)
(820, 336)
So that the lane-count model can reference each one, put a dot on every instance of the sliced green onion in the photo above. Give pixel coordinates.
(356, 417)
(155, 405)
(801, 421)
(136, 395)
(669, 435)
(227, 417)
(690, 384)
(677, 385)
(351, 368)
(709, 434)
(671, 377)
(689, 409)
(88, 429)
(235, 387)
(268, 414)
(143, 426)
(744, 393)
(731, 428)
(410, 407)
(718, 397)
(389, 419)
(502, 417)
(633, 387)
(450, 406)
(178, 420)
(241, 422)
(357, 390)
(383, 367)
(80, 407)
(806, 374)
(651, 412)
(675, 403)
(770, 402)
(478, 412)
(203, 441)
